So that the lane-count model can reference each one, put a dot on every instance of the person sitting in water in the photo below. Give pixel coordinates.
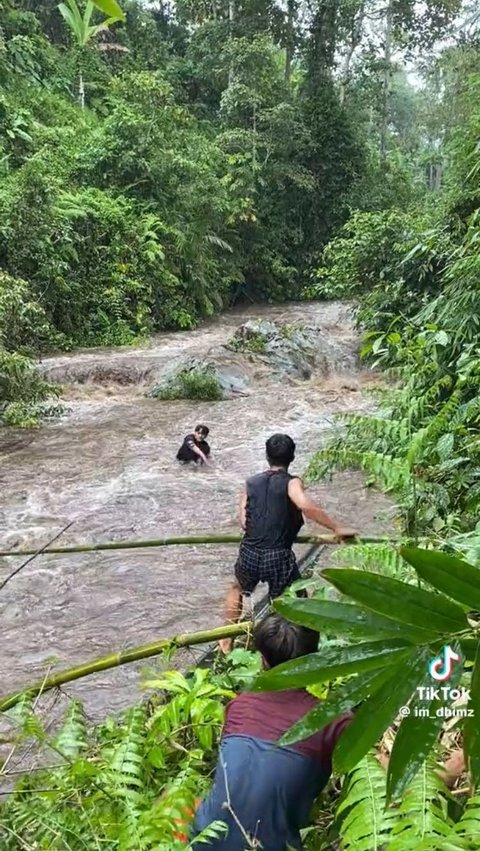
(195, 447)
(272, 510)
(262, 791)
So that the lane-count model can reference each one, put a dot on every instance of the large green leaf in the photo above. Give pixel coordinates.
(418, 731)
(339, 701)
(469, 648)
(377, 713)
(93, 31)
(332, 662)
(472, 725)
(110, 8)
(74, 11)
(80, 26)
(399, 601)
(346, 619)
(454, 577)
(87, 16)
(73, 18)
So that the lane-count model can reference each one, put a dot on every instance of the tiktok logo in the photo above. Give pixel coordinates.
(440, 668)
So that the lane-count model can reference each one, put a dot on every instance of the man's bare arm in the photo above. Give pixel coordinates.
(198, 451)
(243, 510)
(313, 511)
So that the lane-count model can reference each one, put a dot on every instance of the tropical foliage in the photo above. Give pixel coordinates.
(199, 383)
(128, 783)
(379, 637)
(133, 782)
(156, 165)
(415, 274)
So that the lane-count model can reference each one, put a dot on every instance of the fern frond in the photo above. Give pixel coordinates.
(392, 473)
(72, 738)
(377, 558)
(365, 824)
(420, 821)
(26, 721)
(422, 814)
(469, 824)
(214, 831)
(213, 239)
(127, 759)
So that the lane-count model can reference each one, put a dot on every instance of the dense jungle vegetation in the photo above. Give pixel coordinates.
(156, 167)
(159, 167)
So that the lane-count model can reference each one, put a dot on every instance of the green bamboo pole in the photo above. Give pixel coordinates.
(190, 541)
(123, 657)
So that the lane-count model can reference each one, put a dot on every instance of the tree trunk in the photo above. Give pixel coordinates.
(81, 91)
(355, 39)
(254, 147)
(323, 41)
(386, 81)
(231, 18)
(434, 176)
(290, 40)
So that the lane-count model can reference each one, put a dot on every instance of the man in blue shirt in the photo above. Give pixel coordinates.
(263, 792)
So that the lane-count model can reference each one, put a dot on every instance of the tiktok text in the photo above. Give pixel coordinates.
(442, 693)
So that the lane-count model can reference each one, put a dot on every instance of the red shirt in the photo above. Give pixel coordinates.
(268, 715)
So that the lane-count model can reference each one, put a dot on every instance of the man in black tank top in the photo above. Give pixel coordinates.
(272, 510)
(195, 448)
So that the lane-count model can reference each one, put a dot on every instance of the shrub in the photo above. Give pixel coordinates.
(22, 391)
(24, 326)
(129, 783)
(201, 385)
(391, 260)
(255, 343)
(422, 443)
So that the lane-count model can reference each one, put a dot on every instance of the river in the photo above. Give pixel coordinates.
(109, 467)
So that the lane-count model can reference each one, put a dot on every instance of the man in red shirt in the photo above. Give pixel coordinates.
(264, 792)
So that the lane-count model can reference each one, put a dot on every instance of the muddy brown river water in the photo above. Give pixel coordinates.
(109, 466)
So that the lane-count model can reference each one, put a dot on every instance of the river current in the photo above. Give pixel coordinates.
(109, 466)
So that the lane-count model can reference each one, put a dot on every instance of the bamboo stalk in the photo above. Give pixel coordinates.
(184, 541)
(123, 657)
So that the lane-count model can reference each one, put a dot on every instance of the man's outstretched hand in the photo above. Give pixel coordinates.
(345, 533)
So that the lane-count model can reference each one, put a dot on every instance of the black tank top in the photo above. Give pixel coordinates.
(273, 521)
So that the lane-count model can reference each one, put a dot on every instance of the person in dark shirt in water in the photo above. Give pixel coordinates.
(195, 447)
(262, 791)
(272, 510)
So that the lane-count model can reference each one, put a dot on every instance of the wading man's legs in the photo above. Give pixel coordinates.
(233, 613)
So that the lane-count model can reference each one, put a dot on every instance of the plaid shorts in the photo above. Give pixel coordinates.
(277, 567)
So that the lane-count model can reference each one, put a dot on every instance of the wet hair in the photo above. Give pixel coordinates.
(280, 450)
(203, 429)
(278, 640)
